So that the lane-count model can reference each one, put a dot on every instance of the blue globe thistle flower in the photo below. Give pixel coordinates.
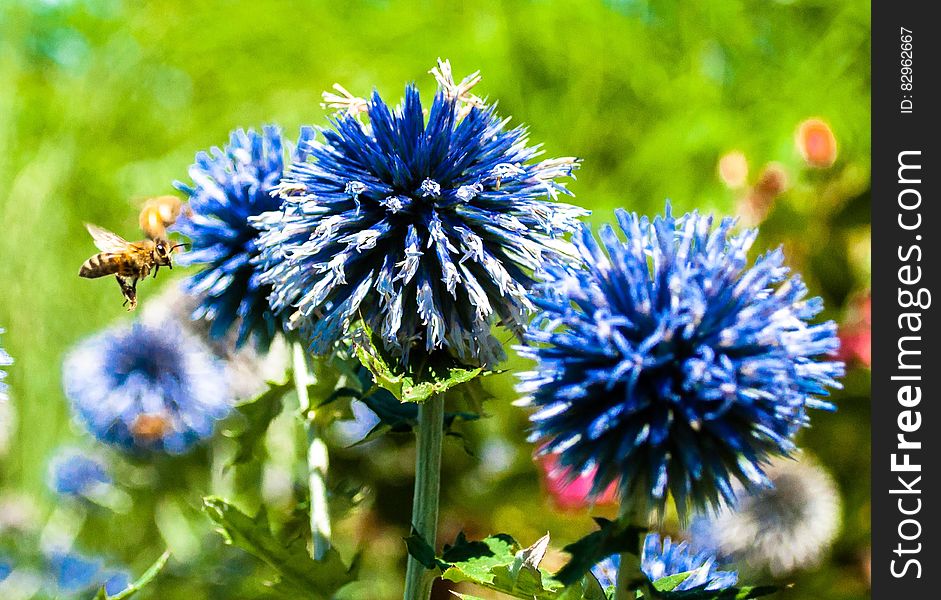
(230, 186)
(668, 363)
(6, 567)
(72, 473)
(146, 388)
(429, 229)
(5, 361)
(659, 560)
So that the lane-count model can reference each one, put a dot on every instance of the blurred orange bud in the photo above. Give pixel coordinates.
(773, 181)
(757, 204)
(733, 169)
(816, 143)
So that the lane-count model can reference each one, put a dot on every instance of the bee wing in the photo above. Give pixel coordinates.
(106, 240)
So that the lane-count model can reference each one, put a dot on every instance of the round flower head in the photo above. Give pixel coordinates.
(666, 559)
(72, 473)
(427, 228)
(230, 186)
(146, 388)
(668, 364)
(781, 529)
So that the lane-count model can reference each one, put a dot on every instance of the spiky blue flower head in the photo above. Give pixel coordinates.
(5, 361)
(429, 228)
(73, 473)
(231, 185)
(666, 558)
(668, 363)
(144, 387)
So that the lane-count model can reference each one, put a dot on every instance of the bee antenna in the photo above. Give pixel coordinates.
(183, 245)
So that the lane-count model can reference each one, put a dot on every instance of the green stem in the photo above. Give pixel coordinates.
(317, 459)
(630, 574)
(623, 590)
(418, 579)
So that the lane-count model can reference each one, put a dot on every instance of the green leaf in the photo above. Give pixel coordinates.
(415, 383)
(613, 537)
(421, 551)
(477, 562)
(498, 563)
(258, 413)
(299, 576)
(669, 583)
(149, 575)
(744, 593)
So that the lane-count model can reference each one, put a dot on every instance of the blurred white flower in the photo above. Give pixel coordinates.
(18, 515)
(781, 529)
(7, 423)
(352, 431)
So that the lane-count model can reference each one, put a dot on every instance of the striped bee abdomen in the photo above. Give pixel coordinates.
(101, 264)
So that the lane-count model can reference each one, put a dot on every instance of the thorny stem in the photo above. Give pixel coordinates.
(317, 459)
(418, 579)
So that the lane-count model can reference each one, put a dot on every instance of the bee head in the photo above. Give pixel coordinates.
(162, 251)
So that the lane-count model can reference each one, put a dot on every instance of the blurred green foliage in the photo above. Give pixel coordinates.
(104, 103)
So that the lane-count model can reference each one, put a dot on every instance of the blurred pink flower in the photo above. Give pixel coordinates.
(856, 332)
(572, 494)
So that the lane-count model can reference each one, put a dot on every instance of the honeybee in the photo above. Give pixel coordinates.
(159, 213)
(128, 261)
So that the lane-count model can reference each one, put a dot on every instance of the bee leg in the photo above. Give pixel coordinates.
(133, 298)
(156, 269)
(129, 290)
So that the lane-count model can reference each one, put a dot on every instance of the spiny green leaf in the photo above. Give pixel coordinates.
(476, 562)
(669, 583)
(498, 563)
(416, 383)
(299, 574)
(744, 593)
(149, 575)
(258, 413)
(422, 551)
(613, 537)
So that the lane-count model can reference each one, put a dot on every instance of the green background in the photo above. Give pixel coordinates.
(104, 103)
